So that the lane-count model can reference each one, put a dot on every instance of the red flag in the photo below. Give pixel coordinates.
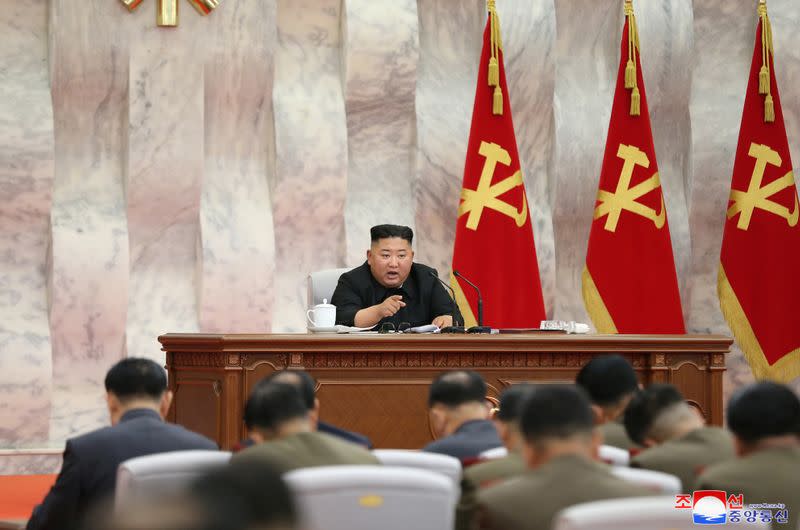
(629, 282)
(494, 245)
(758, 284)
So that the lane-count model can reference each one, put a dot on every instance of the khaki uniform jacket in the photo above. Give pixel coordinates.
(688, 456)
(614, 434)
(766, 476)
(480, 476)
(306, 449)
(530, 502)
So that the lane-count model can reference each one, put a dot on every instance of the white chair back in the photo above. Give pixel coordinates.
(321, 285)
(637, 513)
(491, 454)
(655, 481)
(163, 473)
(372, 497)
(614, 455)
(446, 465)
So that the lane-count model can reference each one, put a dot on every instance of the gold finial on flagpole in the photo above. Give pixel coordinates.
(496, 44)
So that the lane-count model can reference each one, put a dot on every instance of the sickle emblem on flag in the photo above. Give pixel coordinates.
(756, 196)
(624, 198)
(486, 196)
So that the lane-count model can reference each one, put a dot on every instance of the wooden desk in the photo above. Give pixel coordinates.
(378, 384)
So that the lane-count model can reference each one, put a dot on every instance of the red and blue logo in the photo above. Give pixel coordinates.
(709, 507)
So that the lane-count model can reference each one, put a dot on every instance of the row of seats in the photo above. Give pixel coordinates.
(411, 490)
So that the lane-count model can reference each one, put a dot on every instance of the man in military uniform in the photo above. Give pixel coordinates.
(491, 472)
(277, 419)
(611, 383)
(765, 420)
(560, 450)
(677, 440)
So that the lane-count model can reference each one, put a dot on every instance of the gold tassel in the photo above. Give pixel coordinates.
(769, 109)
(763, 81)
(494, 72)
(630, 74)
(636, 102)
(497, 102)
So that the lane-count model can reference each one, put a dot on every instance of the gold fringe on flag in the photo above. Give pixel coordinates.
(764, 87)
(631, 81)
(494, 66)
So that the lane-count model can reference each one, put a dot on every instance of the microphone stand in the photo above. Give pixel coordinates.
(480, 328)
(455, 328)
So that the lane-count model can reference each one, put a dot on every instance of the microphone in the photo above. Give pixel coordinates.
(480, 328)
(455, 328)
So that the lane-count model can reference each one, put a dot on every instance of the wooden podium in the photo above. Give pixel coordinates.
(378, 384)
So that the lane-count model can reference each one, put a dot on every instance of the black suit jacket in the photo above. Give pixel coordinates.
(424, 296)
(470, 440)
(89, 470)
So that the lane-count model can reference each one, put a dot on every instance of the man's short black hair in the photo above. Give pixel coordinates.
(270, 405)
(511, 401)
(457, 388)
(134, 378)
(379, 232)
(607, 379)
(764, 409)
(646, 406)
(556, 411)
(300, 379)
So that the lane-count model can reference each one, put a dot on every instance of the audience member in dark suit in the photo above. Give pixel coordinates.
(137, 400)
(459, 416)
(278, 420)
(306, 384)
(236, 497)
(493, 471)
(611, 383)
(675, 435)
(560, 449)
(765, 420)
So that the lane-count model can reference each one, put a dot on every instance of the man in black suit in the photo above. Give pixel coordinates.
(460, 416)
(138, 400)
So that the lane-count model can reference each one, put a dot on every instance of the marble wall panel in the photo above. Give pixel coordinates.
(165, 166)
(26, 180)
(450, 46)
(380, 57)
(724, 38)
(88, 274)
(529, 39)
(310, 180)
(237, 266)
(588, 36)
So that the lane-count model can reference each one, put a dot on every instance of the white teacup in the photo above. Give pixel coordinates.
(323, 315)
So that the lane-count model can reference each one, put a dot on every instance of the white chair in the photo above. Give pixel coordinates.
(655, 481)
(321, 285)
(491, 454)
(447, 465)
(372, 497)
(614, 455)
(164, 473)
(637, 513)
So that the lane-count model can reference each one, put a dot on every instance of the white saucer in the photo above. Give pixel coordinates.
(332, 329)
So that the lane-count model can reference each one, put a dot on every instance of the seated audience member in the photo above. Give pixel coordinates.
(560, 449)
(305, 383)
(765, 421)
(611, 383)
(390, 288)
(236, 497)
(493, 471)
(138, 400)
(676, 437)
(459, 415)
(279, 421)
